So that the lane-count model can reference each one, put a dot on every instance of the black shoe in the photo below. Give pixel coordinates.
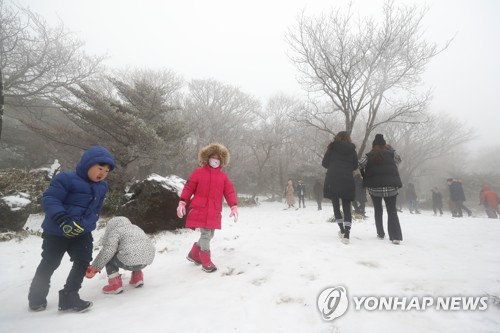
(39, 307)
(380, 237)
(70, 301)
(345, 240)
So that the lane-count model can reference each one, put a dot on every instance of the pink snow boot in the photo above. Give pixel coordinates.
(194, 254)
(207, 264)
(114, 284)
(137, 279)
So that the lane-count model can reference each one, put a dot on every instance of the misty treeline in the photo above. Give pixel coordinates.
(361, 75)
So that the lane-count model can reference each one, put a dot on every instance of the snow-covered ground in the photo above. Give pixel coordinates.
(272, 265)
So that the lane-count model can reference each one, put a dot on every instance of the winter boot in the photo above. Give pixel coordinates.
(137, 279)
(71, 301)
(115, 285)
(37, 300)
(347, 232)
(340, 223)
(194, 254)
(207, 264)
(38, 307)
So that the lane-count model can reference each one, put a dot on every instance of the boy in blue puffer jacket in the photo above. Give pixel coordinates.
(72, 204)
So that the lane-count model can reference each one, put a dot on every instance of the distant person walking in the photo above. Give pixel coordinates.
(379, 169)
(318, 193)
(489, 199)
(411, 197)
(437, 201)
(341, 160)
(301, 193)
(289, 194)
(457, 196)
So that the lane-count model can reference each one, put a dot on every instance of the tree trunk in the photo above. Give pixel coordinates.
(2, 99)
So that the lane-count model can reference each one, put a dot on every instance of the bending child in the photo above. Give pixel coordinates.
(126, 246)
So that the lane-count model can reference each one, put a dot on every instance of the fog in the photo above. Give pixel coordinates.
(243, 44)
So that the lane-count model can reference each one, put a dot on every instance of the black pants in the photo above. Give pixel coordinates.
(437, 207)
(301, 199)
(346, 209)
(459, 206)
(53, 250)
(393, 225)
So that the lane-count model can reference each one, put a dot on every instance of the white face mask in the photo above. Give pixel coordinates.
(214, 163)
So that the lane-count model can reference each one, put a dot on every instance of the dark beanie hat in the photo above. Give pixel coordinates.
(379, 140)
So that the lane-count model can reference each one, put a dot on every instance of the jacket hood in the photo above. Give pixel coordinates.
(117, 221)
(94, 155)
(214, 148)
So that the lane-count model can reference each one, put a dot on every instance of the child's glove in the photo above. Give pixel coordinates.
(181, 209)
(91, 272)
(234, 212)
(69, 227)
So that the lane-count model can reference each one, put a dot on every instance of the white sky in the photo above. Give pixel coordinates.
(272, 265)
(242, 43)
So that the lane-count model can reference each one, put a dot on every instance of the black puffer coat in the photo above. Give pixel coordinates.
(383, 173)
(340, 160)
(457, 191)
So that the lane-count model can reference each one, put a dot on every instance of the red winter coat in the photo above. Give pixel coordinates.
(489, 196)
(208, 185)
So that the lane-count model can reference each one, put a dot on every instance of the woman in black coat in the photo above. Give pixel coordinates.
(341, 160)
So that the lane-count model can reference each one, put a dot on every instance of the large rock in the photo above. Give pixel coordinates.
(152, 203)
(14, 211)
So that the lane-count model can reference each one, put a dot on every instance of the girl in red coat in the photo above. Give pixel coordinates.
(204, 191)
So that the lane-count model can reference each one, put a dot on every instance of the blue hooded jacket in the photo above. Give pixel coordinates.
(72, 193)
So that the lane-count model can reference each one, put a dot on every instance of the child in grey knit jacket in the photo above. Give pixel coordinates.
(126, 246)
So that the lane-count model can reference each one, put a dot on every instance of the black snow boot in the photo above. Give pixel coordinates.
(38, 307)
(37, 300)
(70, 301)
(347, 232)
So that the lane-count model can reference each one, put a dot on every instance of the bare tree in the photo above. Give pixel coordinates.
(271, 132)
(217, 112)
(35, 59)
(436, 136)
(364, 67)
